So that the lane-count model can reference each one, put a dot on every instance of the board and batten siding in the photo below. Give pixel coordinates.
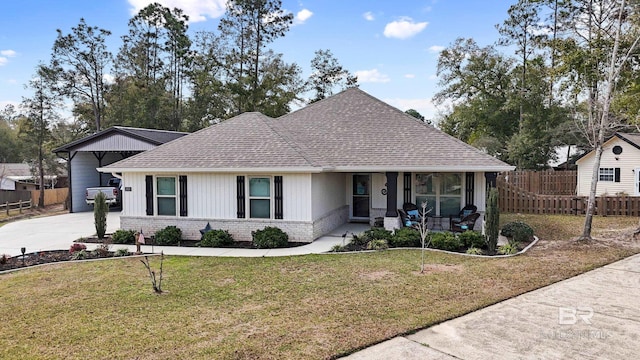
(213, 196)
(328, 193)
(479, 192)
(84, 175)
(115, 141)
(627, 161)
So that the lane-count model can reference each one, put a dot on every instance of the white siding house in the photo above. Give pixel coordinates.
(338, 160)
(619, 171)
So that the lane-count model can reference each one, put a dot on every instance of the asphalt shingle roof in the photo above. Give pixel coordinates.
(350, 130)
(153, 136)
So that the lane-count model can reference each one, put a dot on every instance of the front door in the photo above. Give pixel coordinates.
(637, 181)
(361, 196)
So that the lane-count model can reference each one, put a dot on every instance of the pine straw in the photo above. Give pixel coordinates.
(303, 307)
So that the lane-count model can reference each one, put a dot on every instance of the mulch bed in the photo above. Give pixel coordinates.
(45, 257)
(183, 243)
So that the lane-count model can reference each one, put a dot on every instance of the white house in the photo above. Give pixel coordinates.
(619, 171)
(350, 157)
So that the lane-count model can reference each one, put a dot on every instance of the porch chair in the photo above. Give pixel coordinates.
(466, 223)
(464, 212)
(406, 219)
(412, 211)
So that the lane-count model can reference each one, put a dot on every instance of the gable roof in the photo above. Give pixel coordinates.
(350, 131)
(632, 139)
(151, 136)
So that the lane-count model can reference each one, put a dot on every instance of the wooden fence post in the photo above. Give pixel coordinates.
(7, 207)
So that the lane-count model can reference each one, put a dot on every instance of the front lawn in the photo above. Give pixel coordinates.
(304, 307)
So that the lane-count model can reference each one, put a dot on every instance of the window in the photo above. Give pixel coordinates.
(260, 197)
(442, 191)
(166, 195)
(606, 174)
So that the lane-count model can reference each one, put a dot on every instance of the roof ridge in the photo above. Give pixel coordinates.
(287, 139)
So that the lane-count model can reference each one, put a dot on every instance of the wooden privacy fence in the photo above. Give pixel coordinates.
(547, 182)
(51, 196)
(515, 200)
(14, 196)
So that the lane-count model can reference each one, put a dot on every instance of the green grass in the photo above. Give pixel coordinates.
(305, 307)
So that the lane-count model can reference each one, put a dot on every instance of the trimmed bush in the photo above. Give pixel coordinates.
(517, 231)
(269, 238)
(377, 234)
(475, 251)
(80, 255)
(170, 235)
(216, 238)
(378, 244)
(405, 237)
(121, 252)
(100, 210)
(492, 219)
(123, 237)
(472, 239)
(445, 241)
(507, 249)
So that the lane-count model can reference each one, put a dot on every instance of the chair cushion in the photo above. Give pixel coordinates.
(466, 213)
(413, 214)
(407, 222)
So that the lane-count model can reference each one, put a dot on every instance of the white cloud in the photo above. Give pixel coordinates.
(409, 76)
(404, 28)
(436, 48)
(302, 16)
(372, 76)
(8, 53)
(369, 16)
(3, 60)
(198, 10)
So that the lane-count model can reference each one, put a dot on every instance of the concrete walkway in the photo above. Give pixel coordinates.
(60, 231)
(595, 315)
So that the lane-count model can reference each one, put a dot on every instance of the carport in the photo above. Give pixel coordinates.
(105, 147)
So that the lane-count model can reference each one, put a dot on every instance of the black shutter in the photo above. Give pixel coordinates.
(149, 194)
(469, 186)
(277, 182)
(407, 187)
(240, 197)
(616, 176)
(183, 195)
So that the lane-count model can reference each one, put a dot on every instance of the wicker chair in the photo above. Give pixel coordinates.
(466, 223)
(466, 210)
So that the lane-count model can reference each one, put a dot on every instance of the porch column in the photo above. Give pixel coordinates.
(392, 194)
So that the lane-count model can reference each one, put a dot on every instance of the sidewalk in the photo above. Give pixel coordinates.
(60, 231)
(591, 316)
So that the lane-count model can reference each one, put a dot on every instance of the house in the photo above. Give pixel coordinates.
(105, 147)
(18, 177)
(619, 171)
(350, 157)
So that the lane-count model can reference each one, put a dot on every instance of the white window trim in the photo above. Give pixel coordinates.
(248, 196)
(601, 174)
(156, 195)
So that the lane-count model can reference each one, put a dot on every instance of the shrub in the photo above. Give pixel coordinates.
(377, 234)
(475, 251)
(122, 252)
(405, 237)
(492, 218)
(269, 238)
(79, 255)
(445, 241)
(359, 240)
(4, 258)
(170, 235)
(507, 249)
(472, 239)
(77, 247)
(378, 244)
(517, 232)
(123, 237)
(100, 210)
(338, 248)
(102, 250)
(216, 238)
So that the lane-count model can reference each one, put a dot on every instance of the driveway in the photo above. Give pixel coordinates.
(50, 232)
(591, 316)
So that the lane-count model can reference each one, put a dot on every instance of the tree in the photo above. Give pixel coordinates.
(417, 115)
(82, 61)
(41, 114)
(492, 221)
(9, 144)
(327, 74)
(100, 210)
(248, 27)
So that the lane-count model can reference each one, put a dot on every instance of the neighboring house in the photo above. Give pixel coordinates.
(619, 170)
(18, 177)
(350, 157)
(105, 147)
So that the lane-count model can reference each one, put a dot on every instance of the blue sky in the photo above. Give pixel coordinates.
(391, 45)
